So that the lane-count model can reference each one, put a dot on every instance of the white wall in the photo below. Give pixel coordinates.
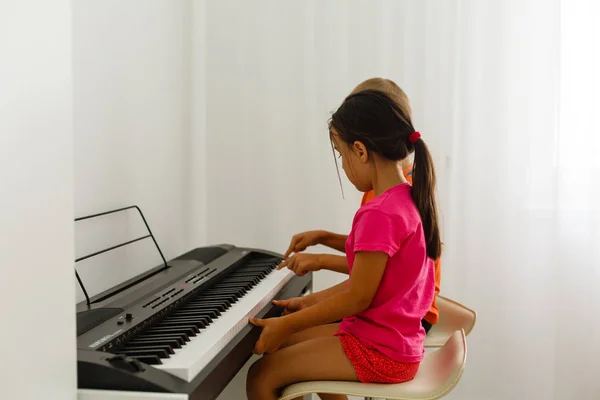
(270, 167)
(36, 206)
(132, 96)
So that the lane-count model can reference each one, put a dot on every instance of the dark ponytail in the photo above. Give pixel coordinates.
(384, 126)
(423, 193)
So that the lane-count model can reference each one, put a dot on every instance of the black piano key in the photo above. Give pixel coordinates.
(174, 343)
(178, 325)
(218, 297)
(213, 310)
(187, 331)
(146, 352)
(157, 336)
(229, 292)
(245, 272)
(240, 286)
(216, 293)
(260, 263)
(222, 291)
(200, 324)
(239, 278)
(211, 314)
(166, 348)
(219, 306)
(259, 269)
(251, 274)
(199, 318)
(148, 359)
(251, 279)
(199, 308)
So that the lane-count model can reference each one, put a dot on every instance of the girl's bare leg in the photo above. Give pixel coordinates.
(321, 358)
(312, 333)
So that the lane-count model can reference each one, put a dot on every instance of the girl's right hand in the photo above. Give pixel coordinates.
(292, 305)
(301, 264)
(301, 241)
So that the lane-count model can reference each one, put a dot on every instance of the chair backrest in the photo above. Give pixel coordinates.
(455, 316)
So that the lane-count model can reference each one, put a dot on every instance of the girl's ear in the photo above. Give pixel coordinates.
(360, 150)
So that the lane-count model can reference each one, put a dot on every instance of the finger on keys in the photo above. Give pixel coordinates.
(290, 249)
(281, 303)
(283, 264)
(256, 322)
(291, 263)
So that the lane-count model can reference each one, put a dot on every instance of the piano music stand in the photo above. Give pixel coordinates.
(149, 235)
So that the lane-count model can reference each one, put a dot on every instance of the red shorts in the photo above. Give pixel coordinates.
(371, 366)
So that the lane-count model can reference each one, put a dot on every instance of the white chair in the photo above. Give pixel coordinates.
(438, 374)
(453, 316)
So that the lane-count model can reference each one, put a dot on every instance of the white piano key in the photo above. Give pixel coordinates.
(188, 361)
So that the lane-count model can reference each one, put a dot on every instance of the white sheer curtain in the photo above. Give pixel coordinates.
(506, 95)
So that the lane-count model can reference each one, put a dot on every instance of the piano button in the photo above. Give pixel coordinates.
(162, 353)
(159, 330)
(157, 336)
(149, 359)
(174, 343)
(168, 349)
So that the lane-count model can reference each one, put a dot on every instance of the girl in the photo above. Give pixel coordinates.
(390, 252)
(301, 263)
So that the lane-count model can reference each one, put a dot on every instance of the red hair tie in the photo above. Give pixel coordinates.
(414, 137)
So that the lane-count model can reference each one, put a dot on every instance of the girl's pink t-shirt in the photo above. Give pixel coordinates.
(392, 323)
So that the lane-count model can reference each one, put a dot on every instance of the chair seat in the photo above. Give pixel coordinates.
(453, 316)
(438, 374)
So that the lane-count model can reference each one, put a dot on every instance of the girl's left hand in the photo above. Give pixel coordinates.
(274, 332)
